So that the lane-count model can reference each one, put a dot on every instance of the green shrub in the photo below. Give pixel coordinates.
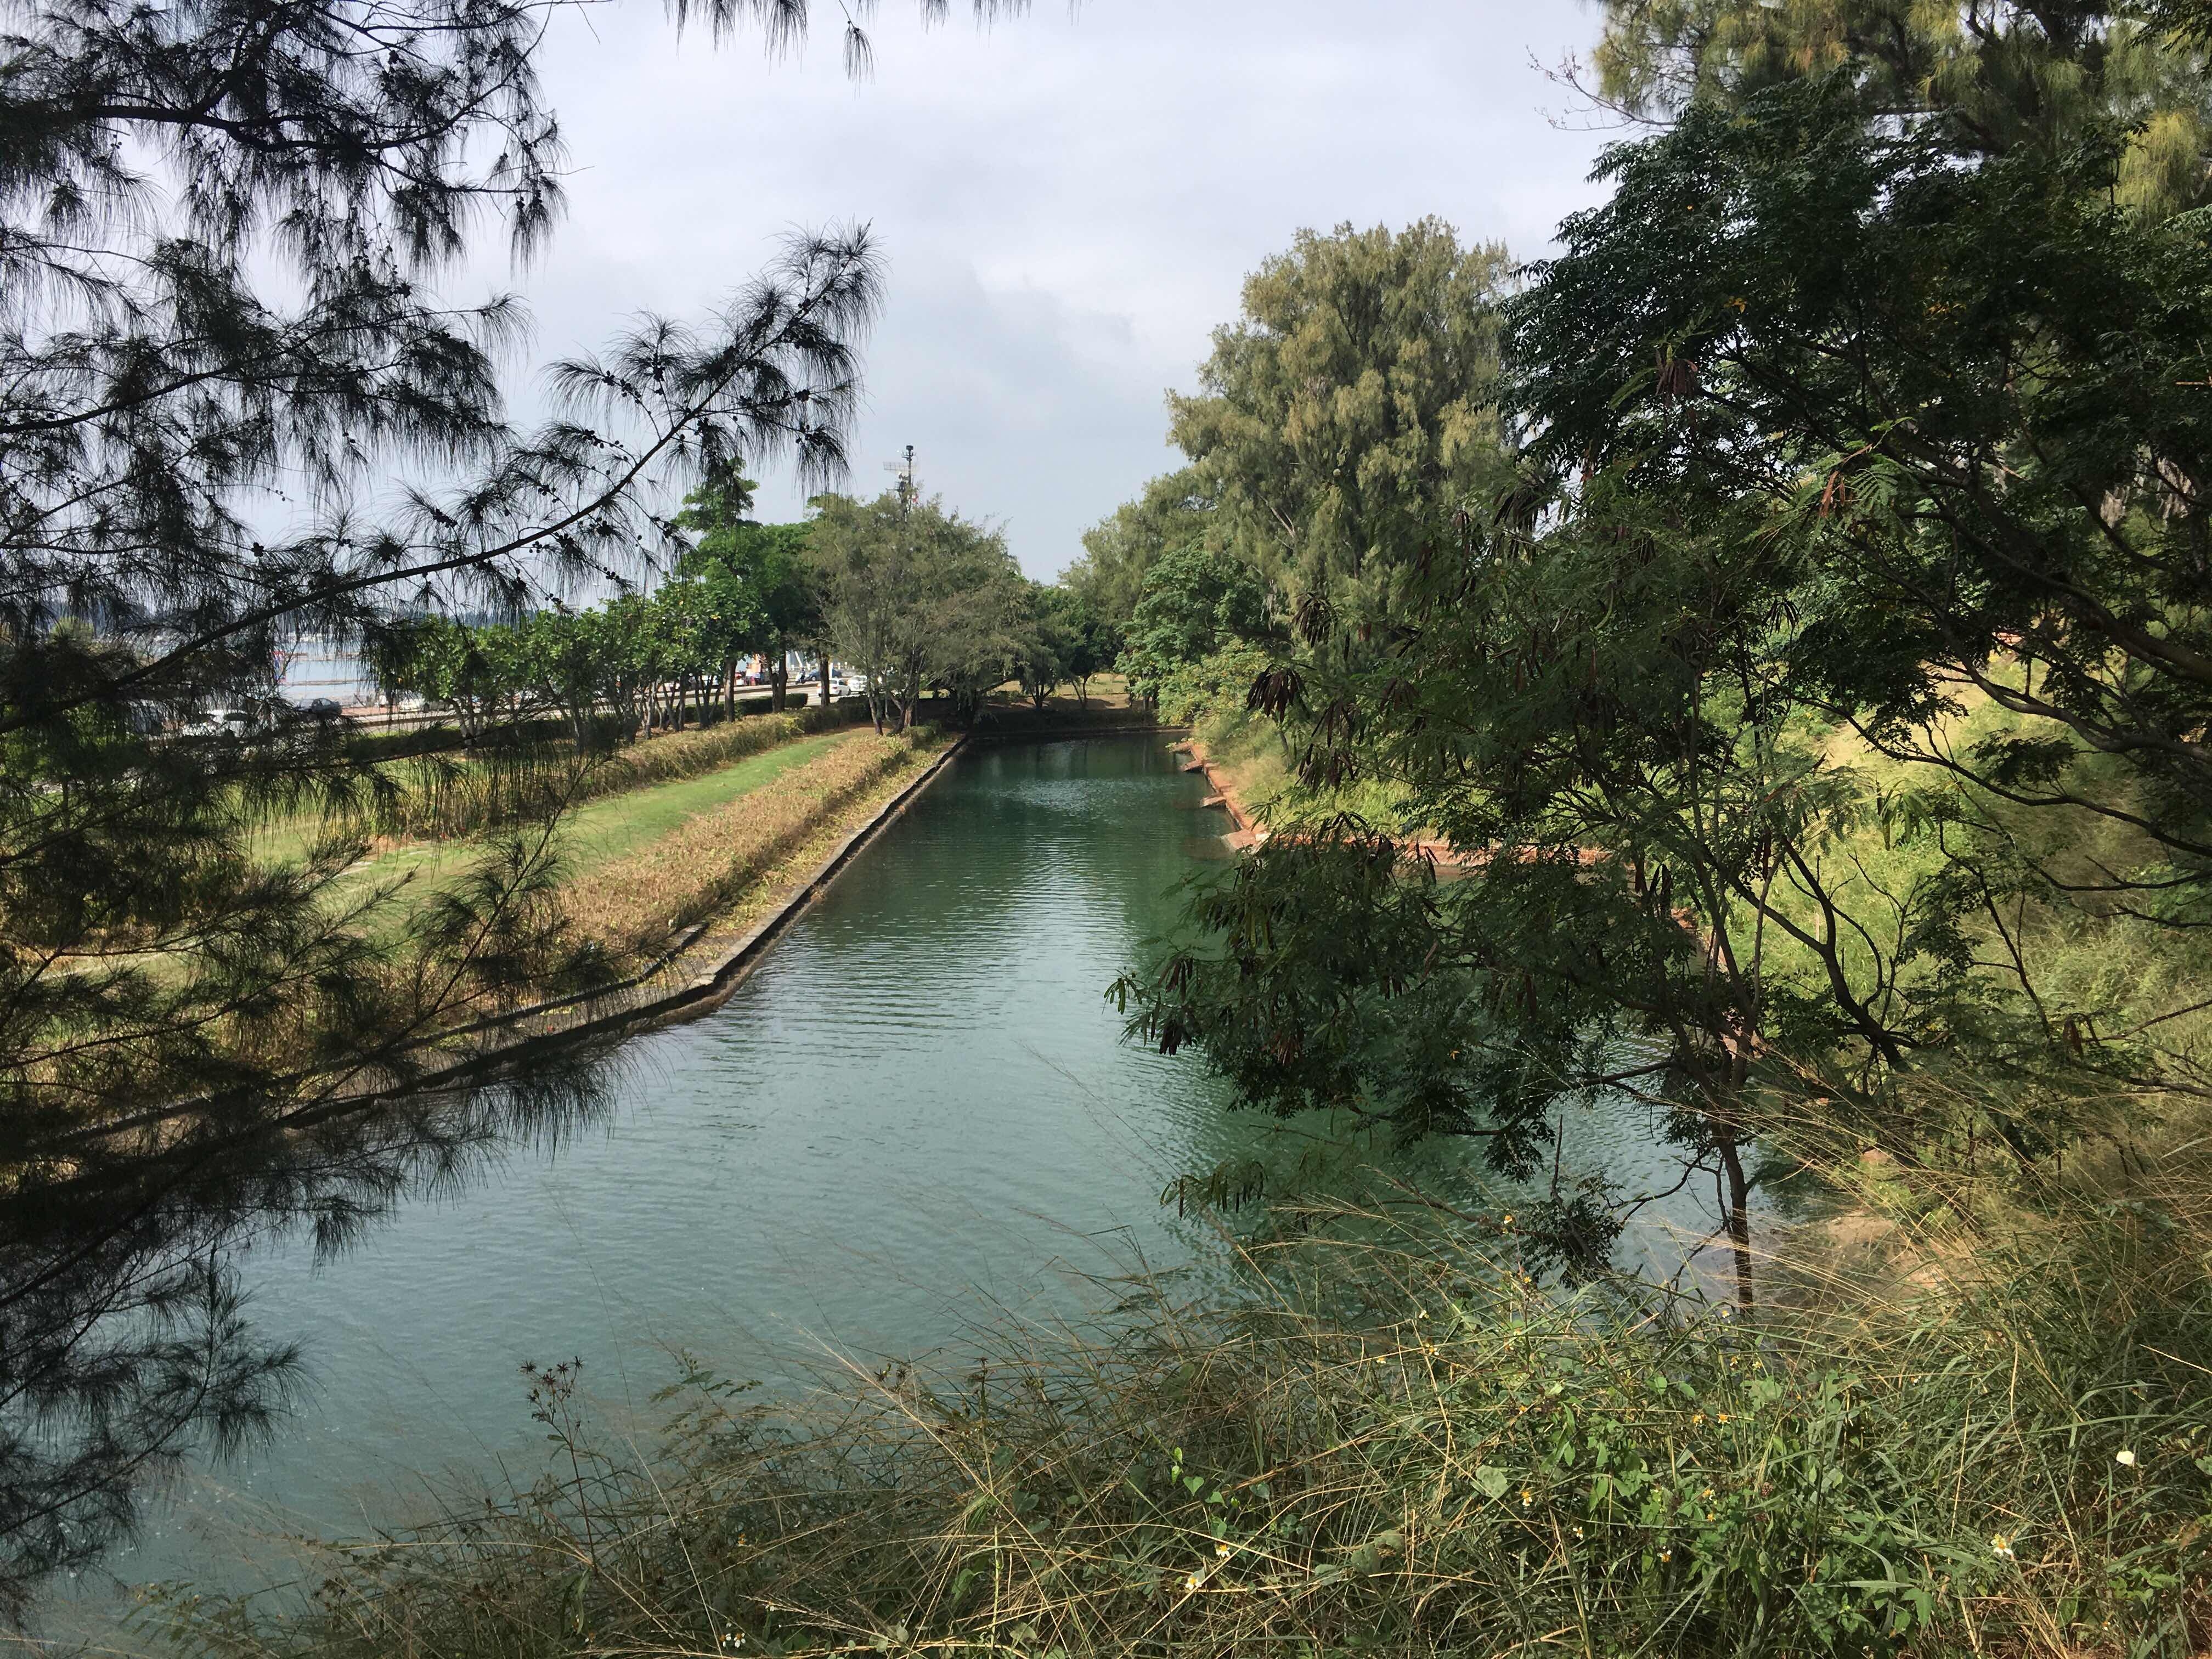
(1216, 683)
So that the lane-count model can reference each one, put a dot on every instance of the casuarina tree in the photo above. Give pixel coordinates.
(223, 225)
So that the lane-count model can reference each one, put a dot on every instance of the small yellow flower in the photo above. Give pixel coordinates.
(1695, 1418)
(1527, 1498)
(2003, 1545)
(1222, 1550)
(1707, 1492)
(1193, 1581)
(1709, 1515)
(1723, 1417)
(1505, 1220)
(2124, 1458)
(1666, 1555)
(1578, 1532)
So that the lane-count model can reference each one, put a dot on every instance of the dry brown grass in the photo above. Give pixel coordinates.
(736, 856)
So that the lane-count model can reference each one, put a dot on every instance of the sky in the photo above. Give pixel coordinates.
(1068, 201)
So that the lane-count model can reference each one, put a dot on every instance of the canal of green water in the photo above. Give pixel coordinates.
(918, 1113)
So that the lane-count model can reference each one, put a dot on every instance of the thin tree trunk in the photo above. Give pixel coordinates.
(1738, 1217)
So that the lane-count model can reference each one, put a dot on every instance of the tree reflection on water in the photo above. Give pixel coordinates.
(125, 1345)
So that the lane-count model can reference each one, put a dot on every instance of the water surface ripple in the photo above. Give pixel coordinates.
(917, 1112)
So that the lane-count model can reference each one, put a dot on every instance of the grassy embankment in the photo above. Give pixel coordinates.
(669, 832)
(665, 833)
(434, 789)
(2106, 960)
(1253, 763)
(733, 855)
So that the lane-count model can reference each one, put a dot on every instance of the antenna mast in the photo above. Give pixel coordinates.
(906, 484)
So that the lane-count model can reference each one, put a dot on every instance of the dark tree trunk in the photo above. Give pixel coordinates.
(1739, 1216)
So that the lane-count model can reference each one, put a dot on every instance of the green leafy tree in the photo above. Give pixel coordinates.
(564, 665)
(917, 597)
(1175, 511)
(1060, 640)
(1194, 603)
(1838, 432)
(1091, 646)
(1357, 392)
(1048, 642)
(1958, 443)
(768, 569)
(2006, 74)
(617, 639)
(483, 676)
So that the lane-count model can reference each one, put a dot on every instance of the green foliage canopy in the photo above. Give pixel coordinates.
(1175, 511)
(1194, 602)
(2004, 74)
(917, 597)
(1835, 432)
(1357, 392)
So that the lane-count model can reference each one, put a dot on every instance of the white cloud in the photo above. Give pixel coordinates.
(1068, 204)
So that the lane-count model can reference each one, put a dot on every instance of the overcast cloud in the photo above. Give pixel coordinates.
(1068, 203)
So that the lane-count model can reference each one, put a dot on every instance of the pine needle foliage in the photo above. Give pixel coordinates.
(2001, 76)
(223, 343)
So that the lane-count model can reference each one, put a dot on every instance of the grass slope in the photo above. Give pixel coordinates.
(608, 829)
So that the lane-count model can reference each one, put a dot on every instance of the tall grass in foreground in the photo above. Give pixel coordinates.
(1386, 1440)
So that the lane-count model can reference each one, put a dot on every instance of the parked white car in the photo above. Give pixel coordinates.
(236, 723)
(217, 723)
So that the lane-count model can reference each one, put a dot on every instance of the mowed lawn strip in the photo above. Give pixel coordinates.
(618, 826)
(622, 823)
(714, 863)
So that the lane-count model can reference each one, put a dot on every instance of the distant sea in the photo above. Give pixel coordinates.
(321, 668)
